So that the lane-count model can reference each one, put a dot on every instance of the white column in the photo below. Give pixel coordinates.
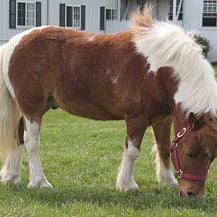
(119, 10)
(174, 10)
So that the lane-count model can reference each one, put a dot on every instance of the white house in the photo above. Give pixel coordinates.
(194, 15)
(89, 15)
(106, 16)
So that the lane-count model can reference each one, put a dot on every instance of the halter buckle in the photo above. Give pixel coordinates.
(181, 133)
(178, 174)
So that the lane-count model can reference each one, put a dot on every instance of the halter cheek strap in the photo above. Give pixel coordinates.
(179, 174)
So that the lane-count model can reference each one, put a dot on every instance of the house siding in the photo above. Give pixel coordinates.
(211, 35)
(92, 18)
(195, 6)
(163, 10)
(192, 17)
(194, 23)
(5, 32)
(50, 15)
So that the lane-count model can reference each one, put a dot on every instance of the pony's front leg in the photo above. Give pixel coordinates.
(11, 169)
(161, 132)
(135, 131)
(31, 140)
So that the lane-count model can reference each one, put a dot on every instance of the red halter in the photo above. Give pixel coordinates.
(179, 174)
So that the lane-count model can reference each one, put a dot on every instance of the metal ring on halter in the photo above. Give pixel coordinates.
(181, 133)
(178, 174)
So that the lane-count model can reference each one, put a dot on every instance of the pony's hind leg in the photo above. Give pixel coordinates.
(161, 132)
(11, 170)
(135, 131)
(31, 140)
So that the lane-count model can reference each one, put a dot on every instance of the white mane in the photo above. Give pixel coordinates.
(165, 44)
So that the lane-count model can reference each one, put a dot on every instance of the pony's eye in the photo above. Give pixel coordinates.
(212, 158)
(190, 154)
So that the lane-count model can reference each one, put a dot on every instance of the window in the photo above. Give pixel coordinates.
(209, 12)
(73, 16)
(26, 14)
(170, 17)
(30, 14)
(21, 14)
(111, 14)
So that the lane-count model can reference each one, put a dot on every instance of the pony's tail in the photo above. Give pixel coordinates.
(9, 115)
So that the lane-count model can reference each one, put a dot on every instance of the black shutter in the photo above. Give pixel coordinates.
(82, 17)
(62, 14)
(69, 16)
(12, 14)
(102, 18)
(38, 13)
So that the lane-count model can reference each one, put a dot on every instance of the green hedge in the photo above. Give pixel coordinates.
(203, 42)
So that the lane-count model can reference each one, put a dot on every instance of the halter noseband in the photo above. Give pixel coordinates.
(179, 174)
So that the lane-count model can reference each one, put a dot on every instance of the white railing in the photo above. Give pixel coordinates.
(114, 26)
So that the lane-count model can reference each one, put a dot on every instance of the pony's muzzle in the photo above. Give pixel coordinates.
(190, 194)
(187, 194)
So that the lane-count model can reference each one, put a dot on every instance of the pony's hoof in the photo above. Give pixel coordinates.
(47, 185)
(13, 180)
(169, 182)
(127, 187)
(40, 184)
(167, 178)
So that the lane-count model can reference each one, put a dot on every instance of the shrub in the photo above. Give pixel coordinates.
(203, 42)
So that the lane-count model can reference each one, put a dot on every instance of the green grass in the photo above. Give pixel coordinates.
(215, 67)
(81, 158)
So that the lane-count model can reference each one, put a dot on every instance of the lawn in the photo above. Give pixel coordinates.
(215, 67)
(81, 158)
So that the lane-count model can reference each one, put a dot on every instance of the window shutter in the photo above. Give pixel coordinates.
(62, 15)
(12, 14)
(69, 16)
(38, 13)
(82, 17)
(102, 18)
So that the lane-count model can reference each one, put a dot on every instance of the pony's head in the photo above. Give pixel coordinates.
(164, 44)
(193, 150)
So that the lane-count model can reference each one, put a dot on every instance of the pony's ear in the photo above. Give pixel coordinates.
(192, 119)
(194, 122)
